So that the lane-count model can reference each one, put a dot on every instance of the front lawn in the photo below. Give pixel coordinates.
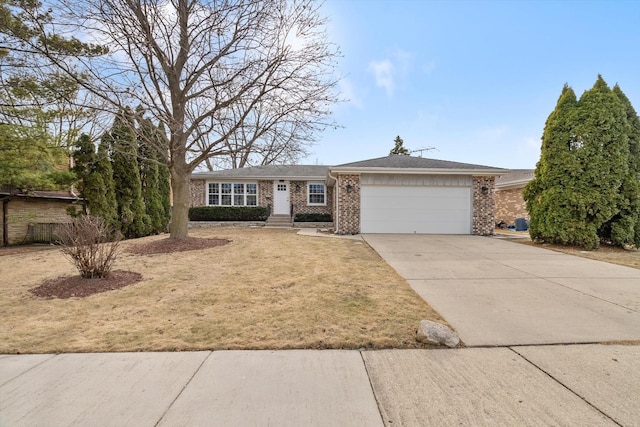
(266, 289)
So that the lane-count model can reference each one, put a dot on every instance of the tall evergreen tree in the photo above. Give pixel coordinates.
(103, 202)
(624, 228)
(164, 181)
(550, 193)
(399, 148)
(578, 193)
(84, 160)
(126, 176)
(149, 161)
(604, 156)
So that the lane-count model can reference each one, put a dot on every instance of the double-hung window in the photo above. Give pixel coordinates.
(316, 194)
(232, 194)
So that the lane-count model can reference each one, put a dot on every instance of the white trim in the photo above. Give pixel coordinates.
(324, 186)
(214, 177)
(232, 194)
(521, 183)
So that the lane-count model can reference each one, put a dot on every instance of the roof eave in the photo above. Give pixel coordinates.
(419, 171)
(512, 184)
(37, 196)
(260, 178)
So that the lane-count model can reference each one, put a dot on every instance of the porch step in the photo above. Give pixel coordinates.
(279, 221)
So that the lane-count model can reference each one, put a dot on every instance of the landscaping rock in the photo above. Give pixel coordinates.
(437, 333)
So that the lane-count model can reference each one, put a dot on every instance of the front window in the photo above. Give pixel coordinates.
(232, 194)
(316, 194)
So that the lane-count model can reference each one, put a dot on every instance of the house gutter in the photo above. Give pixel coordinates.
(512, 184)
(336, 191)
(230, 178)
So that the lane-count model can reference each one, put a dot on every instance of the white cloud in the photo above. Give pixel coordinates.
(393, 71)
(384, 75)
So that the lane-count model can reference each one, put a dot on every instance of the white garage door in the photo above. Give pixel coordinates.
(413, 209)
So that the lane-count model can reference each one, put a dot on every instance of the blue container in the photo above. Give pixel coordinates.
(522, 224)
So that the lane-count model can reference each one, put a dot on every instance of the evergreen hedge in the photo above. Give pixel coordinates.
(228, 213)
(587, 183)
(312, 217)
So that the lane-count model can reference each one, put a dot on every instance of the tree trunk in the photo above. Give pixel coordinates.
(180, 215)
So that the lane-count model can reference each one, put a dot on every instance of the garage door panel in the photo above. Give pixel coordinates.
(430, 210)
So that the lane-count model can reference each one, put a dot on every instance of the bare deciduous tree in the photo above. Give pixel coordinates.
(208, 70)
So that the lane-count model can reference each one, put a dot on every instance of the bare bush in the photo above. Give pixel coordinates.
(90, 244)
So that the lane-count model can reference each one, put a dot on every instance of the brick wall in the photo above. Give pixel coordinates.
(197, 193)
(483, 206)
(510, 205)
(348, 215)
(22, 212)
(298, 197)
(265, 193)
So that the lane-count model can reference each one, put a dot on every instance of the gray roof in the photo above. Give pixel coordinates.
(397, 161)
(40, 194)
(269, 171)
(515, 178)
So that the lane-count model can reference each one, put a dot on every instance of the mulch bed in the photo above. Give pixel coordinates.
(166, 246)
(76, 286)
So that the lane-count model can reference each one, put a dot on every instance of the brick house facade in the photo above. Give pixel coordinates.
(22, 214)
(297, 177)
(407, 187)
(508, 196)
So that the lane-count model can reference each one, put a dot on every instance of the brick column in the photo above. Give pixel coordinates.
(348, 204)
(265, 193)
(197, 193)
(483, 205)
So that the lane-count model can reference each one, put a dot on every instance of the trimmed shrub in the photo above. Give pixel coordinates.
(90, 244)
(228, 213)
(312, 217)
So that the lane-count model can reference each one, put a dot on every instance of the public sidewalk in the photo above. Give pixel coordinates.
(537, 385)
(504, 299)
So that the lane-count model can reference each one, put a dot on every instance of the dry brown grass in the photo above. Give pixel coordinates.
(611, 254)
(267, 289)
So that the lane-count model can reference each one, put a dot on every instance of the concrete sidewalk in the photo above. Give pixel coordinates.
(547, 385)
(494, 293)
(501, 293)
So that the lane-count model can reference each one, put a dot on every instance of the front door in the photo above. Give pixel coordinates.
(281, 198)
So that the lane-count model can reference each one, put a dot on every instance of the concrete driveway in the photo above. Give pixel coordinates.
(500, 293)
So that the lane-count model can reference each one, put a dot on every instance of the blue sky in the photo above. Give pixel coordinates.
(474, 79)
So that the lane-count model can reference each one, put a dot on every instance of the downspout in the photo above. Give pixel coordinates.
(336, 194)
(5, 226)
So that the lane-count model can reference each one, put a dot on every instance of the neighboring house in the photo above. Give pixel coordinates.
(393, 194)
(29, 217)
(509, 202)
